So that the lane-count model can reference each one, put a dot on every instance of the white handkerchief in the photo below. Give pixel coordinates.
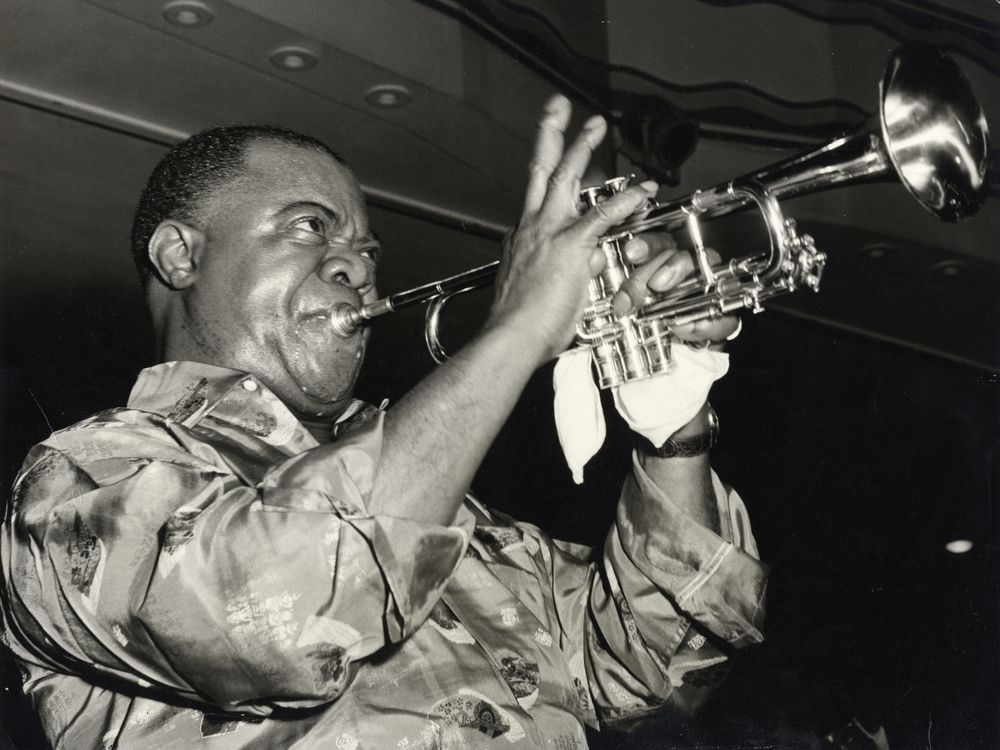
(654, 407)
(579, 418)
(657, 407)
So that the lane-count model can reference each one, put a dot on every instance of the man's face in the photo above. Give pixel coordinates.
(284, 243)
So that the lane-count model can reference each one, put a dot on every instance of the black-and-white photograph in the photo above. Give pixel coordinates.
(488, 374)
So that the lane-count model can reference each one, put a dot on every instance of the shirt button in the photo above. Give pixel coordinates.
(249, 385)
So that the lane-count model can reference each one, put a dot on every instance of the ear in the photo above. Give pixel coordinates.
(174, 250)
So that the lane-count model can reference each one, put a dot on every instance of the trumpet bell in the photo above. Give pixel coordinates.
(934, 131)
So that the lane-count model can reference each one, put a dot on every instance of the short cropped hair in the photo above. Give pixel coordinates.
(189, 174)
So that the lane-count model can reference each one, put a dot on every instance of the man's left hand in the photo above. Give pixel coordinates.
(660, 265)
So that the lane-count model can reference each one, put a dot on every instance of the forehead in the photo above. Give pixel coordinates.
(283, 173)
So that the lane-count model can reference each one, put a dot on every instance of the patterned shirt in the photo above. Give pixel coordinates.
(197, 568)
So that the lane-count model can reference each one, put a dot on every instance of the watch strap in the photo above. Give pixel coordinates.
(684, 447)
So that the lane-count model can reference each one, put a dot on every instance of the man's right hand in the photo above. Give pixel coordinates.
(435, 437)
(548, 260)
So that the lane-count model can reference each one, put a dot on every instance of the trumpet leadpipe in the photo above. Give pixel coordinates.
(346, 318)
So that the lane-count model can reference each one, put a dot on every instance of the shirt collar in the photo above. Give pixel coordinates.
(187, 392)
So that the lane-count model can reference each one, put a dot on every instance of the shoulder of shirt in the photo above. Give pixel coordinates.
(76, 443)
(119, 418)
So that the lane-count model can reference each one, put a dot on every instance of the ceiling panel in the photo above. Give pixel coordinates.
(401, 37)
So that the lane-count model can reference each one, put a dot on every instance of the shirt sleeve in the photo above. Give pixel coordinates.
(658, 616)
(161, 568)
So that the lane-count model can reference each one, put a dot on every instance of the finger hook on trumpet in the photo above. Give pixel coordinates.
(700, 254)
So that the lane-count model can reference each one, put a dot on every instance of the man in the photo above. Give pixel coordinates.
(247, 554)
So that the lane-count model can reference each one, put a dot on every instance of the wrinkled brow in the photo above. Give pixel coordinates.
(292, 208)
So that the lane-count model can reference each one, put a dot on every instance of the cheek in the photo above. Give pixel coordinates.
(243, 323)
(255, 269)
(265, 291)
(260, 306)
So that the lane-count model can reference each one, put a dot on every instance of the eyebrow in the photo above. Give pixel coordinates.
(299, 205)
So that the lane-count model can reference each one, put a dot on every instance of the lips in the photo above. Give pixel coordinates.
(325, 311)
(315, 315)
(330, 324)
(331, 312)
(315, 323)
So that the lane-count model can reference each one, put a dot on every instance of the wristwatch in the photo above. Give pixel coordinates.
(684, 447)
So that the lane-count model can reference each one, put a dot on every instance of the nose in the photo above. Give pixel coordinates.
(345, 265)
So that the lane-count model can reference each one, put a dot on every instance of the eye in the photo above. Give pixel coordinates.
(371, 252)
(311, 224)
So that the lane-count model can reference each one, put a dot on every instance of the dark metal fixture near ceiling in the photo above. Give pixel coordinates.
(656, 135)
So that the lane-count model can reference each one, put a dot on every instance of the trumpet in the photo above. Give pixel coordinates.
(929, 134)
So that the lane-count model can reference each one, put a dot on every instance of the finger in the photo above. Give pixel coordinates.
(610, 212)
(563, 194)
(635, 289)
(709, 329)
(677, 269)
(661, 275)
(642, 247)
(598, 260)
(548, 151)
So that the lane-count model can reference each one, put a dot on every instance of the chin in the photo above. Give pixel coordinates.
(326, 391)
(327, 398)
(319, 386)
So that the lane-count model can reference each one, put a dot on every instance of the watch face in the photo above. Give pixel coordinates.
(667, 450)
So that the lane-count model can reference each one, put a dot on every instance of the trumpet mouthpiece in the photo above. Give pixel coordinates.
(345, 319)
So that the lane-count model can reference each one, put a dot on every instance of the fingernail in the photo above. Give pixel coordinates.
(593, 122)
(555, 103)
(650, 186)
(664, 278)
(620, 304)
(634, 248)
